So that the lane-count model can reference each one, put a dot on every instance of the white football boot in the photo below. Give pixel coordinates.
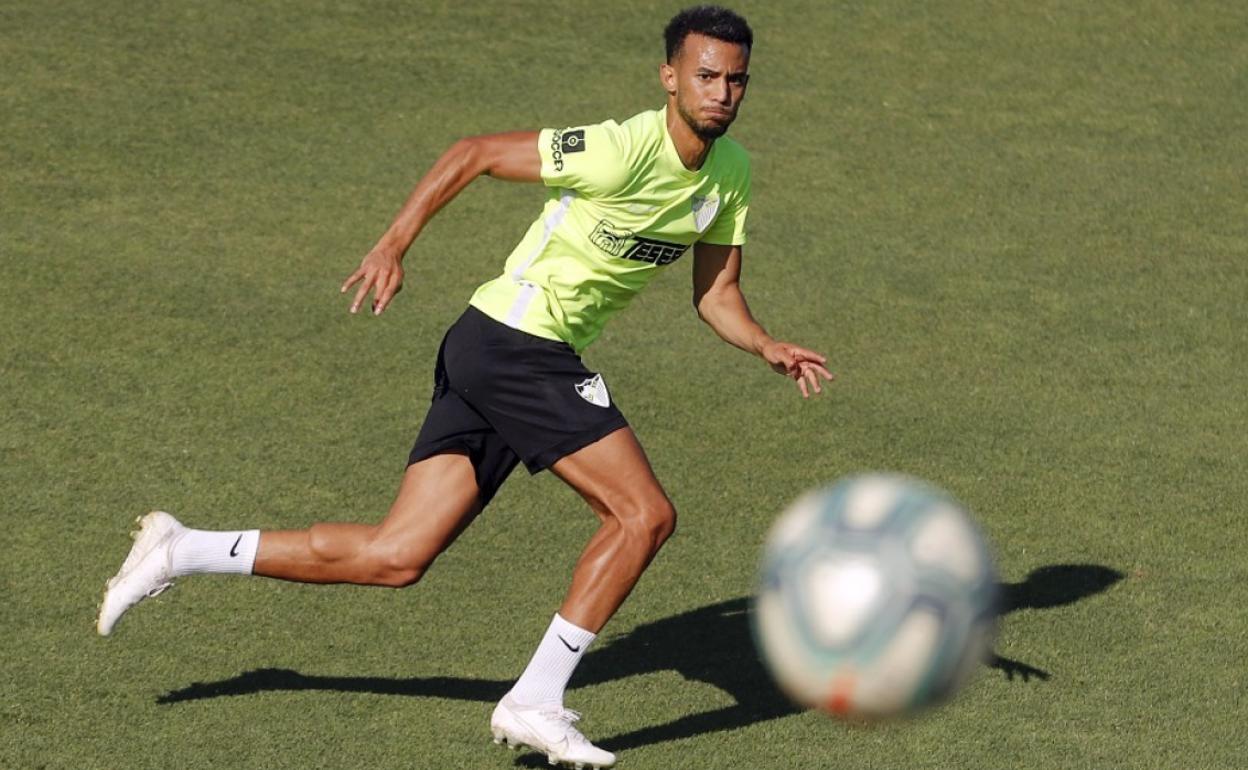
(146, 571)
(547, 729)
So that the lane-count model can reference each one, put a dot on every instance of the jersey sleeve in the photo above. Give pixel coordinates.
(590, 159)
(728, 229)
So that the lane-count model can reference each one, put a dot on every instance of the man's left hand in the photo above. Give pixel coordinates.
(804, 366)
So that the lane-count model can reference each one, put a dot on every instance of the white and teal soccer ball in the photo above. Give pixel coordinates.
(878, 596)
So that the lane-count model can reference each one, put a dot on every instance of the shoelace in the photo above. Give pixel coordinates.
(567, 716)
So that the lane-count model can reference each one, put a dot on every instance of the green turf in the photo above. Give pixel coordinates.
(1019, 229)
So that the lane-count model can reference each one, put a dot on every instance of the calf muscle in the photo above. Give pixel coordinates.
(436, 501)
(637, 518)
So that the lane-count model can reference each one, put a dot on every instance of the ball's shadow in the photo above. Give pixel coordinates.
(710, 644)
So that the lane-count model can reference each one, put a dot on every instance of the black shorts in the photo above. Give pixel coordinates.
(502, 396)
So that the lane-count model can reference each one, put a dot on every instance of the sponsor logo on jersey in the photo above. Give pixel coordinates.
(654, 251)
(563, 142)
(704, 209)
(594, 390)
(627, 245)
(610, 238)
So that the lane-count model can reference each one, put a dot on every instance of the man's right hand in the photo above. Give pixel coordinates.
(381, 272)
(511, 155)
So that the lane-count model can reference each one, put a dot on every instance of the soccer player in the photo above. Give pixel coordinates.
(624, 199)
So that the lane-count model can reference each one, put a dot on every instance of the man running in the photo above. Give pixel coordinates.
(623, 201)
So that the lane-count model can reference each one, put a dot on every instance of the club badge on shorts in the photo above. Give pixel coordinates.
(594, 390)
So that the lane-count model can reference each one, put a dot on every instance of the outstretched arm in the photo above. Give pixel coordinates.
(718, 299)
(512, 156)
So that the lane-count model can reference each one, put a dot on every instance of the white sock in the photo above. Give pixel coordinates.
(547, 674)
(198, 551)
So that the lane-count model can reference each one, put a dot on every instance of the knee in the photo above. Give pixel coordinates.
(375, 559)
(398, 565)
(397, 577)
(652, 521)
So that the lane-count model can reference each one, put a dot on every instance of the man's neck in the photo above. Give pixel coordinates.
(691, 148)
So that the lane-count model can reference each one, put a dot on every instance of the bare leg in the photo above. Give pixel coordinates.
(437, 499)
(615, 478)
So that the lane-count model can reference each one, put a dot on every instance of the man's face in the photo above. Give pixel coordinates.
(707, 79)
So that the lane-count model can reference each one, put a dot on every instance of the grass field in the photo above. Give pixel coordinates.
(1019, 230)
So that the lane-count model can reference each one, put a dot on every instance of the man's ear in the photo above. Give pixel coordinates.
(667, 76)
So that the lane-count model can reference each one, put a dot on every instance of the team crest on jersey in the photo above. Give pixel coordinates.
(704, 209)
(594, 390)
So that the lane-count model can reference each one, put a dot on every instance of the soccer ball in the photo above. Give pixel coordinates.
(878, 596)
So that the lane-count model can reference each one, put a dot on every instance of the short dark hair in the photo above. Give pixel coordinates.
(710, 20)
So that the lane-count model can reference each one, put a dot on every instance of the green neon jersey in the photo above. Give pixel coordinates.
(621, 205)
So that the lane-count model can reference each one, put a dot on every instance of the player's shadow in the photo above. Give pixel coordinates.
(710, 644)
(1046, 587)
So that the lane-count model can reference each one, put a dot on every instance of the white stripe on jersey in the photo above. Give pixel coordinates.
(527, 288)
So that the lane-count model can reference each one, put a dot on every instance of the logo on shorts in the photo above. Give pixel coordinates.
(594, 390)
